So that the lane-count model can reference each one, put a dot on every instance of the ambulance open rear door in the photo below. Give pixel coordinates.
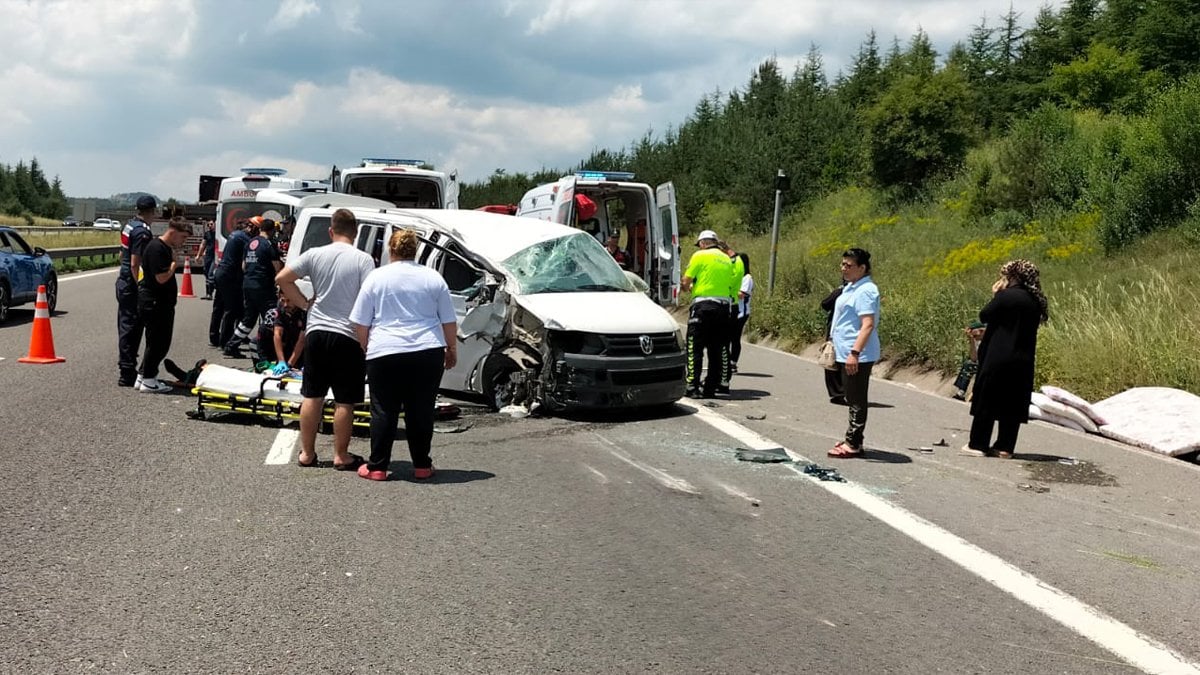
(667, 264)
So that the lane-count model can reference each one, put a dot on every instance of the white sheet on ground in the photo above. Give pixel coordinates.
(1156, 418)
(1062, 410)
(1036, 413)
(243, 383)
(1066, 397)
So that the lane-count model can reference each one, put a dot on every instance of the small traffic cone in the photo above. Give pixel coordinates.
(41, 343)
(185, 291)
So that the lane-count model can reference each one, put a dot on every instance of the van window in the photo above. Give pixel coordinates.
(370, 239)
(317, 233)
(404, 191)
(459, 276)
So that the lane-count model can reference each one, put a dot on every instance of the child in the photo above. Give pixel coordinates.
(970, 364)
(281, 335)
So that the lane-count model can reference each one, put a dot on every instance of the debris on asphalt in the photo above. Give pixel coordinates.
(452, 428)
(756, 416)
(941, 444)
(515, 411)
(823, 473)
(923, 448)
(764, 456)
(1033, 487)
(1069, 461)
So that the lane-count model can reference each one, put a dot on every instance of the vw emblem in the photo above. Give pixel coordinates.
(646, 343)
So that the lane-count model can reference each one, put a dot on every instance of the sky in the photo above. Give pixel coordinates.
(120, 96)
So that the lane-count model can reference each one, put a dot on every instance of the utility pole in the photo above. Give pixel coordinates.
(782, 183)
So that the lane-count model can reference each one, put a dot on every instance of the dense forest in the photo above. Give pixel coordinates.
(1090, 107)
(25, 191)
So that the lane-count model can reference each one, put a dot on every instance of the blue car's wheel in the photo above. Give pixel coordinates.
(4, 302)
(52, 292)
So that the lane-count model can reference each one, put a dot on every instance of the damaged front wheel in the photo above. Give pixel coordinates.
(500, 387)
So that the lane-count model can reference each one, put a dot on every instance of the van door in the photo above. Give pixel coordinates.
(564, 202)
(666, 237)
(480, 317)
(451, 191)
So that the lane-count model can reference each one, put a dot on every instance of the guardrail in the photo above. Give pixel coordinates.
(91, 252)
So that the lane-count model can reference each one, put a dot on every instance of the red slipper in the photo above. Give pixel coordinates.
(365, 471)
(843, 451)
(423, 474)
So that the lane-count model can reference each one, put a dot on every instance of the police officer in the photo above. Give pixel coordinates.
(739, 271)
(227, 304)
(708, 277)
(261, 265)
(134, 238)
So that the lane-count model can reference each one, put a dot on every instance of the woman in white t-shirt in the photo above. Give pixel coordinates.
(743, 313)
(405, 321)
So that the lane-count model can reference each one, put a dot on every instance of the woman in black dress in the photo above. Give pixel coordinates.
(1004, 384)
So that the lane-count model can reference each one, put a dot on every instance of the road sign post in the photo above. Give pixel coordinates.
(782, 182)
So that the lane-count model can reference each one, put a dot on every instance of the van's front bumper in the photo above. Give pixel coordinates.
(580, 381)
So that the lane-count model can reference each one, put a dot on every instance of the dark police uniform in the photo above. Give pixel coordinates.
(134, 238)
(227, 304)
(258, 288)
(210, 259)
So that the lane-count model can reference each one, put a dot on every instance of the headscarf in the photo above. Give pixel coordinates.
(1027, 276)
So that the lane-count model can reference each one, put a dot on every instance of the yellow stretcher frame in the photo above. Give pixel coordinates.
(273, 409)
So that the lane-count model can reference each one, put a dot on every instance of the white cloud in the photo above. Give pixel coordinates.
(345, 15)
(290, 13)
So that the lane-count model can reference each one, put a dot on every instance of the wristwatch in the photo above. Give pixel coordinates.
(855, 352)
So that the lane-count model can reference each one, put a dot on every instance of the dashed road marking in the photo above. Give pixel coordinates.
(281, 449)
(662, 477)
(1135, 648)
(599, 476)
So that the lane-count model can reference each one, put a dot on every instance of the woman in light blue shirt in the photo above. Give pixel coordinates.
(856, 344)
(405, 321)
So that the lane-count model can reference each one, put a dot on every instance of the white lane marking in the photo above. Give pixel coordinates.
(73, 277)
(662, 477)
(281, 449)
(733, 491)
(1137, 649)
(599, 476)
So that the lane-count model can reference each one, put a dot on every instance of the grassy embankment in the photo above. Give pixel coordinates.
(68, 237)
(1117, 321)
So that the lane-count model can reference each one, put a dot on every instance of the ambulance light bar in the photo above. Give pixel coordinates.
(263, 171)
(377, 161)
(605, 175)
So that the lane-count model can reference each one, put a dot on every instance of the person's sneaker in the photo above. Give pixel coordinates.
(732, 367)
(693, 392)
(971, 452)
(365, 471)
(722, 389)
(152, 385)
(423, 474)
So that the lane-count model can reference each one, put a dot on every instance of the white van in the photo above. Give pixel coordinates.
(644, 219)
(237, 197)
(403, 182)
(545, 316)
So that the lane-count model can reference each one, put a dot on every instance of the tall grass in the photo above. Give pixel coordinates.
(72, 238)
(1117, 321)
(32, 221)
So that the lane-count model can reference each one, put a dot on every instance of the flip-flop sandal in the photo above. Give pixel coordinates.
(316, 461)
(843, 451)
(352, 465)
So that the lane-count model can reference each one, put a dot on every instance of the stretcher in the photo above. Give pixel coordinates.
(227, 390)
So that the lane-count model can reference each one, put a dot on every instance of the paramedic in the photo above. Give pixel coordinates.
(333, 358)
(405, 321)
(134, 238)
(227, 304)
(614, 249)
(258, 284)
(708, 277)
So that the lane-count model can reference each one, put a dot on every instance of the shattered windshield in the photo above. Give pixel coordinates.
(576, 263)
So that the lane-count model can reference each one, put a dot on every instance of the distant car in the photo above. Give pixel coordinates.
(70, 221)
(106, 224)
(22, 270)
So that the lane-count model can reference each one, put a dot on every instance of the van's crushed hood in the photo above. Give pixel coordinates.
(605, 313)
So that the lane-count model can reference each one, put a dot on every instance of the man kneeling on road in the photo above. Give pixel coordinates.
(333, 358)
(709, 277)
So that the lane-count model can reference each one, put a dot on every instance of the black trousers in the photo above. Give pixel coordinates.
(226, 310)
(856, 388)
(255, 302)
(129, 329)
(407, 382)
(159, 320)
(210, 265)
(737, 327)
(708, 331)
(833, 385)
(981, 434)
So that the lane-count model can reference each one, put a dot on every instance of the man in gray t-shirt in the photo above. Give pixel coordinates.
(333, 358)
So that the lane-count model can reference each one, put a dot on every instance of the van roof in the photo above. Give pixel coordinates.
(308, 199)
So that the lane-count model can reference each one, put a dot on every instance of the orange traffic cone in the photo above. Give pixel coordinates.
(41, 343)
(185, 291)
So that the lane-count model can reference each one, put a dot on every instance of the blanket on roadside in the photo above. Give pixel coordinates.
(1161, 419)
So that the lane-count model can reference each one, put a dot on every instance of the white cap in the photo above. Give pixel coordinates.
(707, 234)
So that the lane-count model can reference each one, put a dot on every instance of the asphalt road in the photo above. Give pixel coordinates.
(133, 539)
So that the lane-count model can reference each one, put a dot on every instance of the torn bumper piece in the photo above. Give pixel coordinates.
(593, 381)
(227, 390)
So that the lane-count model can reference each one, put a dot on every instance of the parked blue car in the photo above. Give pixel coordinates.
(22, 270)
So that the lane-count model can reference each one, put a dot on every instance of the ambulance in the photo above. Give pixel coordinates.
(403, 182)
(607, 202)
(238, 197)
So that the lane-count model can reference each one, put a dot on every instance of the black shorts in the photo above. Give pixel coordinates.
(333, 361)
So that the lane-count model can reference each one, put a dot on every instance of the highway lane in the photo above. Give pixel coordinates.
(135, 539)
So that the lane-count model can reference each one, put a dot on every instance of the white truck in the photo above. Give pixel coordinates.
(644, 219)
(403, 182)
